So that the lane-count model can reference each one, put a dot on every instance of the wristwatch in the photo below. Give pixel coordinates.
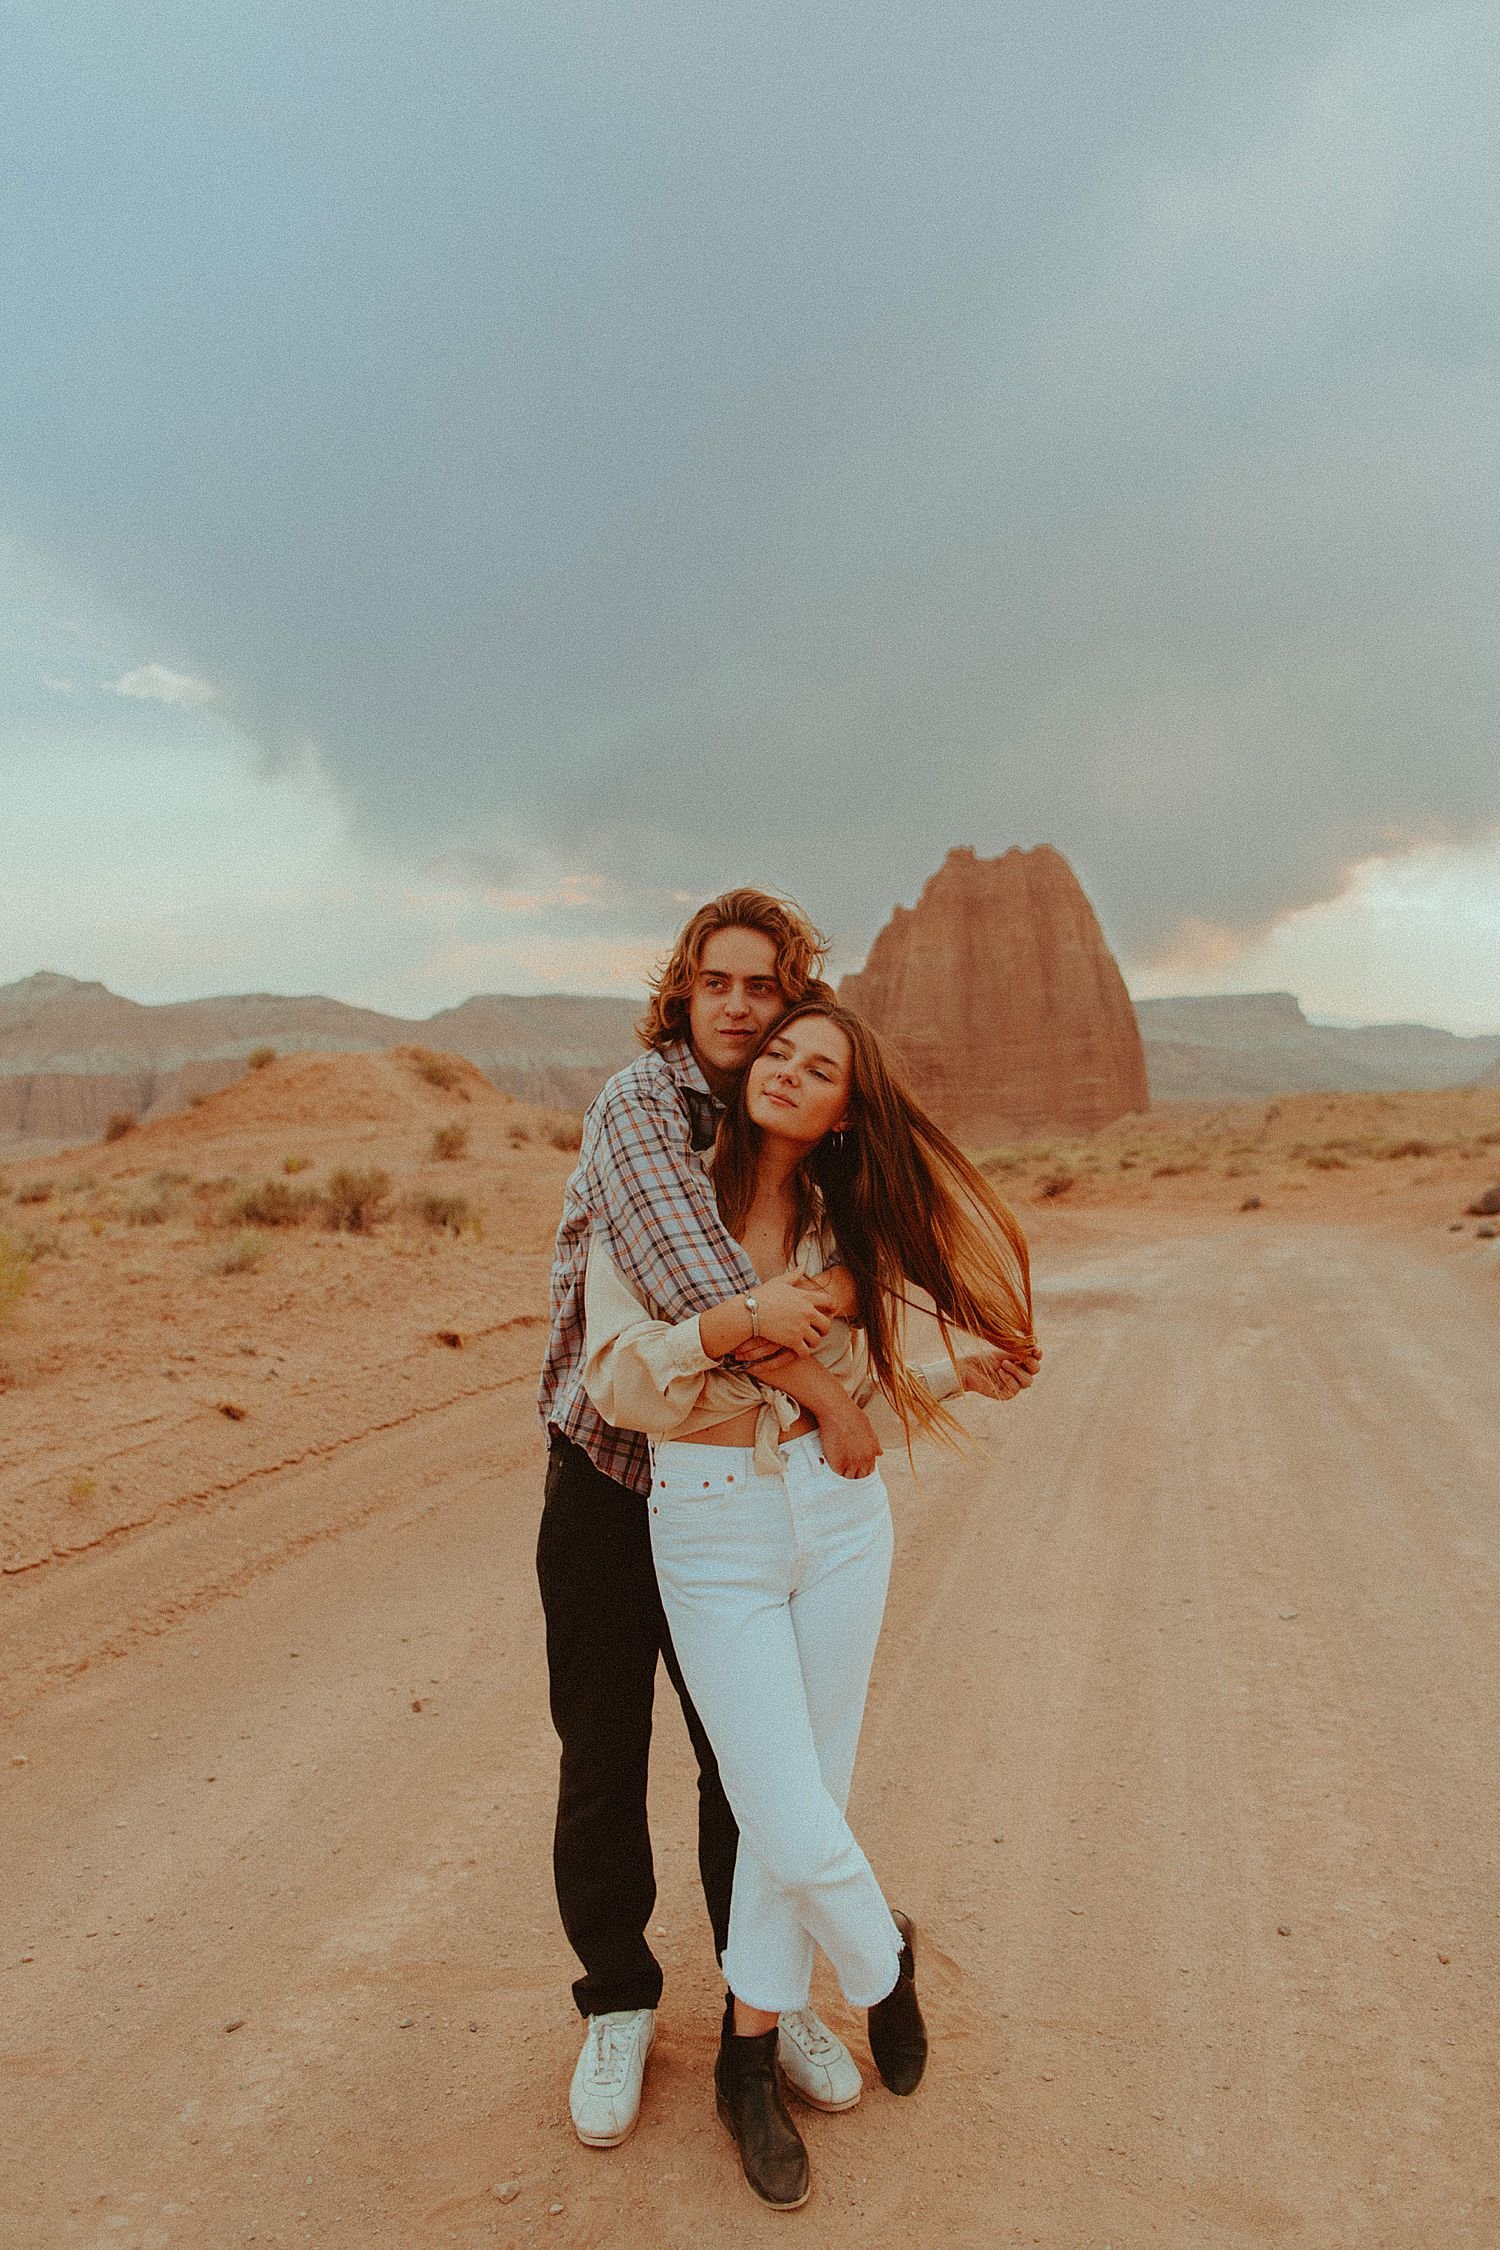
(753, 1309)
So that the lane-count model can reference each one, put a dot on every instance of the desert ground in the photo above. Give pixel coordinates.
(1181, 1746)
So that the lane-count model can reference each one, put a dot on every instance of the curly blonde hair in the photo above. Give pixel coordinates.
(801, 952)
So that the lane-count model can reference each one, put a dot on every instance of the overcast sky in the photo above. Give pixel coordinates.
(475, 478)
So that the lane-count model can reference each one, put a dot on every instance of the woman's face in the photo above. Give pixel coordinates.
(798, 1085)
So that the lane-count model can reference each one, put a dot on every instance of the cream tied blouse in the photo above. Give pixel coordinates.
(654, 1375)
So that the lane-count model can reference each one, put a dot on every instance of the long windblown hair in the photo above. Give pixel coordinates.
(800, 953)
(912, 1216)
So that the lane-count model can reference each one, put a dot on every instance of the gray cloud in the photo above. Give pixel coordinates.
(785, 442)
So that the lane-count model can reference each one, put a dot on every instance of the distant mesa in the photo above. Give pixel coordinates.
(72, 1054)
(998, 986)
(1237, 1046)
(999, 993)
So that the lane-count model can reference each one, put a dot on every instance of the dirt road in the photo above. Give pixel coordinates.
(1182, 1750)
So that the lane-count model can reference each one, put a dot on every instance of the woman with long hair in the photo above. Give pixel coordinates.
(770, 1524)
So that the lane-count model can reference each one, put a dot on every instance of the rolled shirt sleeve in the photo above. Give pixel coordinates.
(651, 1375)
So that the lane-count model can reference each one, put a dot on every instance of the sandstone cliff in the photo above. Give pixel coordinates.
(1000, 994)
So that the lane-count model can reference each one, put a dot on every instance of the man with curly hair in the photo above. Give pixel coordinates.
(641, 1184)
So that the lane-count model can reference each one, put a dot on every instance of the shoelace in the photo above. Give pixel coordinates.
(610, 2049)
(811, 2035)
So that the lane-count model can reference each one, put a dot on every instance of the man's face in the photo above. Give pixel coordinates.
(735, 998)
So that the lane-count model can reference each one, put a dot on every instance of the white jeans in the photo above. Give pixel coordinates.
(774, 1588)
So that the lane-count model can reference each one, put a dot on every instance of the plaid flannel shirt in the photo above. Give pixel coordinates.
(642, 1184)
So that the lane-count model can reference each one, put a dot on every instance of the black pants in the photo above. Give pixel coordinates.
(605, 1630)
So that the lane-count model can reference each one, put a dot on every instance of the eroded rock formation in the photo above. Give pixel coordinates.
(1001, 996)
(71, 1053)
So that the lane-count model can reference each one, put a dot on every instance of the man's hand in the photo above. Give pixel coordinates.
(832, 1291)
(834, 1282)
(994, 1373)
(847, 1436)
(793, 1317)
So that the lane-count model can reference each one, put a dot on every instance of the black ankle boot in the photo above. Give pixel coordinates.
(898, 2036)
(747, 2092)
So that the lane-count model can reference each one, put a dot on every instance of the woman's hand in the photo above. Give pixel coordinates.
(847, 1436)
(792, 1315)
(993, 1373)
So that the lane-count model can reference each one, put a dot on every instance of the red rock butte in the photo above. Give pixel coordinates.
(1001, 997)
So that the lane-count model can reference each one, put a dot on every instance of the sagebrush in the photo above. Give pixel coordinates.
(273, 1203)
(15, 1275)
(355, 1201)
(450, 1214)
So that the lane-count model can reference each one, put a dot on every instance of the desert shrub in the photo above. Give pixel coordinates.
(1324, 1160)
(441, 1071)
(449, 1142)
(15, 1275)
(295, 1163)
(1409, 1148)
(118, 1124)
(519, 1135)
(355, 1201)
(82, 1488)
(196, 1101)
(169, 1179)
(34, 1191)
(246, 1254)
(564, 1132)
(1173, 1171)
(1055, 1184)
(449, 1214)
(149, 1207)
(260, 1058)
(272, 1203)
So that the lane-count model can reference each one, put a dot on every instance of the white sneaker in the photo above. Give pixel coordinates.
(817, 2066)
(605, 2096)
